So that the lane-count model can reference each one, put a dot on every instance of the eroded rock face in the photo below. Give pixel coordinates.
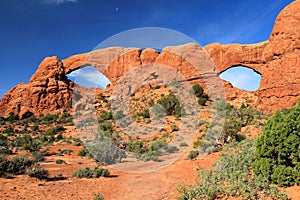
(277, 60)
(48, 91)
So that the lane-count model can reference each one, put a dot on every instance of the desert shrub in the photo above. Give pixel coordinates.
(107, 128)
(88, 173)
(5, 151)
(145, 113)
(18, 165)
(9, 130)
(59, 137)
(183, 144)
(158, 145)
(198, 90)
(37, 171)
(171, 149)
(98, 196)
(64, 151)
(105, 151)
(38, 157)
(55, 130)
(12, 117)
(2, 121)
(119, 115)
(198, 143)
(48, 119)
(60, 161)
(3, 140)
(34, 128)
(232, 177)
(31, 144)
(65, 118)
(150, 155)
(174, 127)
(171, 104)
(100, 172)
(105, 115)
(192, 154)
(225, 131)
(278, 149)
(136, 147)
(84, 153)
(4, 162)
(28, 143)
(25, 129)
(202, 101)
(101, 96)
(156, 87)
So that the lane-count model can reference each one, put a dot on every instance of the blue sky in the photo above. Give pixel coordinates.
(33, 29)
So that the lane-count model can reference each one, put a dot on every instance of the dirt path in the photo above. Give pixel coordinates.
(154, 185)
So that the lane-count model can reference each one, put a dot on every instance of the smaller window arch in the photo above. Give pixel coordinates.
(242, 77)
(89, 77)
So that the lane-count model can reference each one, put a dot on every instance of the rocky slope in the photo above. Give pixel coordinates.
(277, 60)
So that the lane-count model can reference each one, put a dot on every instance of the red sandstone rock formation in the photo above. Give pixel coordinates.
(277, 60)
(48, 91)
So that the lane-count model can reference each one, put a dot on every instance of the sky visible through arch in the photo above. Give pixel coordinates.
(33, 29)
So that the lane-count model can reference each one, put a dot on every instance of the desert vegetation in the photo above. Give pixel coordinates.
(246, 169)
(277, 154)
(232, 177)
(251, 168)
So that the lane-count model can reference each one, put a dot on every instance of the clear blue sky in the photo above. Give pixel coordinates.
(33, 29)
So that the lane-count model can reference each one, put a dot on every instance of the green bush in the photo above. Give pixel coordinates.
(60, 161)
(171, 105)
(65, 118)
(183, 144)
(2, 121)
(218, 133)
(98, 196)
(18, 165)
(88, 173)
(84, 153)
(174, 127)
(232, 177)
(37, 171)
(278, 148)
(198, 90)
(4, 162)
(150, 155)
(192, 154)
(145, 113)
(5, 151)
(64, 151)
(9, 131)
(55, 130)
(15, 166)
(28, 143)
(12, 117)
(119, 115)
(3, 140)
(104, 115)
(202, 101)
(49, 119)
(171, 149)
(38, 157)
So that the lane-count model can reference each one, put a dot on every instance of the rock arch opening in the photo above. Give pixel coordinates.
(89, 77)
(242, 77)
